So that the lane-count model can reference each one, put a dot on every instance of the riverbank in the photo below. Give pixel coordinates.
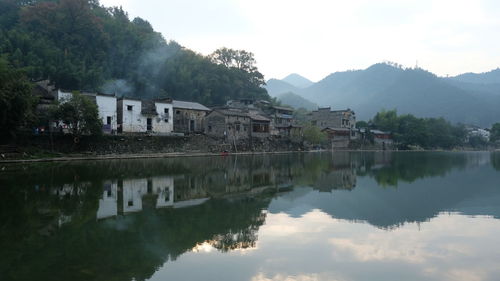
(139, 156)
(64, 148)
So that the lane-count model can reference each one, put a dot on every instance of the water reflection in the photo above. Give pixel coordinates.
(126, 220)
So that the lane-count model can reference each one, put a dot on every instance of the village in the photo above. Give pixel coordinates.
(243, 120)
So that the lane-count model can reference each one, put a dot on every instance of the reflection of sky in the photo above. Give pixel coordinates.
(318, 247)
(439, 228)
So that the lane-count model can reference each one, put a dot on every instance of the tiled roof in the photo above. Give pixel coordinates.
(148, 107)
(258, 117)
(189, 105)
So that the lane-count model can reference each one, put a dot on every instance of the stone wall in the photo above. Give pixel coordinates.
(124, 144)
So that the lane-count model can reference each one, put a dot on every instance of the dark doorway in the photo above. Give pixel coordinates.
(191, 125)
(149, 123)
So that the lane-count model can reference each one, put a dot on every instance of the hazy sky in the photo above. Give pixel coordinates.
(317, 37)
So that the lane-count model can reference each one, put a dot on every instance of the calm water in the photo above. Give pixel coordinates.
(317, 216)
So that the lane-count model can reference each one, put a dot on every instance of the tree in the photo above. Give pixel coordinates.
(314, 135)
(362, 124)
(80, 115)
(239, 59)
(16, 101)
(495, 132)
(386, 120)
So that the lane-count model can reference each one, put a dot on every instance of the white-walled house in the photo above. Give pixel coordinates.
(141, 116)
(130, 119)
(165, 119)
(106, 106)
(63, 96)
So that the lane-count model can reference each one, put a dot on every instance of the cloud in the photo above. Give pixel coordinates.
(318, 37)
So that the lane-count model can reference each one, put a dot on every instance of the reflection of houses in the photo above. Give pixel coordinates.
(337, 179)
(341, 174)
(130, 195)
(108, 203)
(188, 117)
(133, 191)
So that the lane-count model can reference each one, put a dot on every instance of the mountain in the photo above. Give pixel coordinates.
(277, 87)
(297, 80)
(415, 91)
(491, 77)
(296, 101)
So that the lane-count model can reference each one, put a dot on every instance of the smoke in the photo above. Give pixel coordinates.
(151, 64)
(119, 87)
(145, 74)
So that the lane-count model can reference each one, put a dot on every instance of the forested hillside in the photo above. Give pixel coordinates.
(81, 45)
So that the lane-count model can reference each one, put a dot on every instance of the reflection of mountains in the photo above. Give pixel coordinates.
(472, 191)
(118, 220)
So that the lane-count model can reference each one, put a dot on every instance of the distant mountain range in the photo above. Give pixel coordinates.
(467, 98)
(296, 101)
(298, 81)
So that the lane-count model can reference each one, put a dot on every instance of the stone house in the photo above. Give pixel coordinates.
(260, 125)
(188, 116)
(229, 123)
(327, 118)
(236, 123)
(281, 121)
(340, 120)
(339, 137)
(144, 116)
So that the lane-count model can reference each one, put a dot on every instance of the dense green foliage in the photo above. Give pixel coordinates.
(408, 130)
(81, 45)
(314, 135)
(495, 132)
(80, 114)
(16, 102)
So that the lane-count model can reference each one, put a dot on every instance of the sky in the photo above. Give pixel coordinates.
(317, 37)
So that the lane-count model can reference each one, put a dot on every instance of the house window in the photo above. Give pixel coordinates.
(165, 110)
(166, 120)
(238, 128)
(129, 107)
(209, 128)
(108, 120)
(177, 112)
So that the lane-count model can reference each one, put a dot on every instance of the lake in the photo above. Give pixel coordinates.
(299, 216)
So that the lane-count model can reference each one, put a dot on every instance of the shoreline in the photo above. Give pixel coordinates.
(198, 154)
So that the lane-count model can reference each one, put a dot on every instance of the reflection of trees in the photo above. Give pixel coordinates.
(495, 160)
(408, 167)
(125, 248)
